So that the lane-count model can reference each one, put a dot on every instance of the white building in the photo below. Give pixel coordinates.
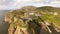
(55, 13)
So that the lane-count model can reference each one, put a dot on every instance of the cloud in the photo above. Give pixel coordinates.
(15, 4)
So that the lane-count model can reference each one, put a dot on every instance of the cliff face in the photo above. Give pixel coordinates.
(24, 21)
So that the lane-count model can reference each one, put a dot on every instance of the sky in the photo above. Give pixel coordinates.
(17, 4)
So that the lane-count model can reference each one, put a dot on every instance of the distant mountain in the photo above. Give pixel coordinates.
(28, 8)
(48, 9)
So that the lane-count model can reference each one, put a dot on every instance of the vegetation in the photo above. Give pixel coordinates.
(33, 18)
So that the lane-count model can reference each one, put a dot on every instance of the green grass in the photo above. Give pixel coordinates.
(50, 18)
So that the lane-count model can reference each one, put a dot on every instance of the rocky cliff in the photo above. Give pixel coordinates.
(30, 20)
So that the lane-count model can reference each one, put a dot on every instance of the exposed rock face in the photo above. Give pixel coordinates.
(28, 20)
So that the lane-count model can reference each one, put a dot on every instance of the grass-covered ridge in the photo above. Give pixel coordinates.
(49, 14)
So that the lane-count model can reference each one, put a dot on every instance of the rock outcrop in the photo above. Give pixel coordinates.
(30, 20)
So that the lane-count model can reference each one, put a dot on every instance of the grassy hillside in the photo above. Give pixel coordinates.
(49, 14)
(46, 13)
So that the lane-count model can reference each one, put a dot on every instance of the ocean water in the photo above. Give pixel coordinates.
(3, 26)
